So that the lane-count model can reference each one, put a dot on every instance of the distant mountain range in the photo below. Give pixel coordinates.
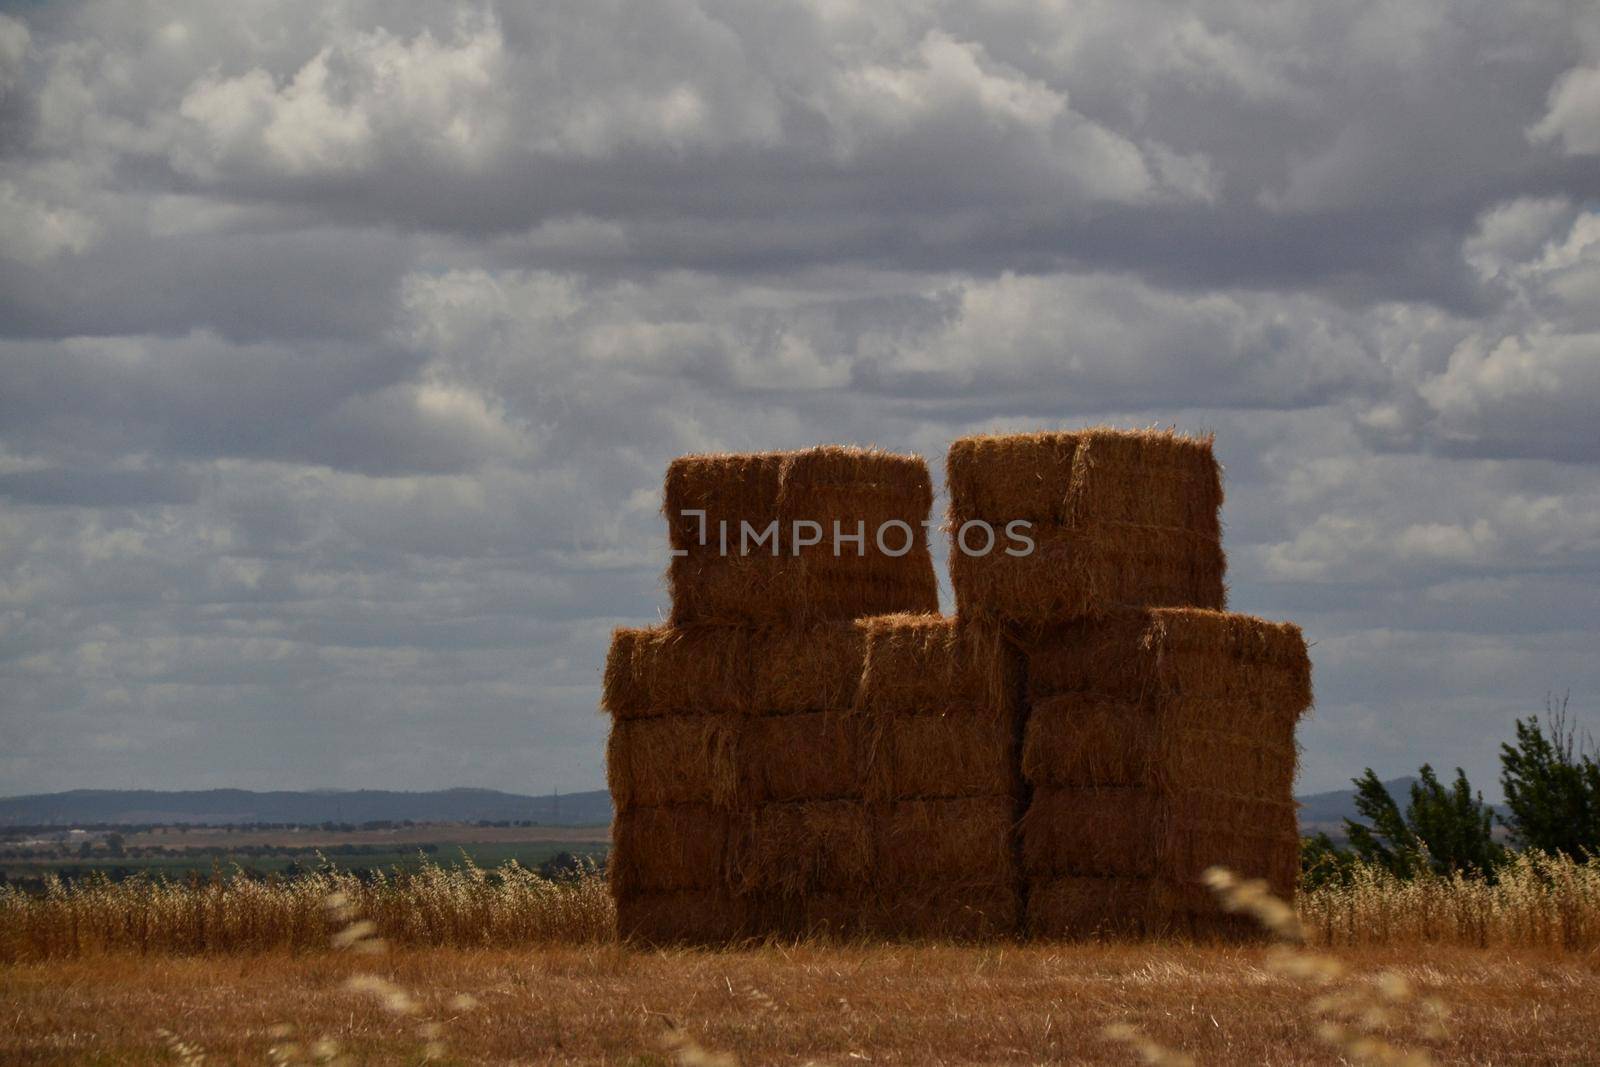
(1328, 811)
(220, 806)
(1318, 811)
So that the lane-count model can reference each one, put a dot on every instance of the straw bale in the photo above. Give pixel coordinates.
(957, 913)
(675, 759)
(1105, 657)
(946, 842)
(678, 671)
(1117, 517)
(821, 483)
(1076, 906)
(695, 917)
(1143, 477)
(1170, 699)
(811, 756)
(1147, 478)
(759, 590)
(1079, 740)
(728, 487)
(815, 913)
(1093, 831)
(1090, 741)
(1085, 571)
(1145, 833)
(782, 581)
(965, 913)
(800, 848)
(680, 847)
(668, 670)
(1193, 654)
(813, 668)
(958, 754)
(923, 663)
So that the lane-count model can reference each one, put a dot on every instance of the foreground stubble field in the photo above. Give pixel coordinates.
(837, 1004)
(93, 973)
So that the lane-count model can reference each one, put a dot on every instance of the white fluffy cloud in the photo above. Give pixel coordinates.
(1573, 120)
(344, 345)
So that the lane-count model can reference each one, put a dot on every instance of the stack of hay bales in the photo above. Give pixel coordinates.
(939, 713)
(808, 746)
(689, 706)
(1160, 742)
(1159, 734)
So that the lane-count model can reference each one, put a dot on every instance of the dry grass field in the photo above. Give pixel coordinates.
(474, 967)
(810, 1003)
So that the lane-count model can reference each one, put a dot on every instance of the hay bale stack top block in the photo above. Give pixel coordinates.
(1117, 517)
(738, 559)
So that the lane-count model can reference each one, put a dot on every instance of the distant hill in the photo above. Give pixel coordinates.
(1327, 811)
(219, 806)
(1318, 811)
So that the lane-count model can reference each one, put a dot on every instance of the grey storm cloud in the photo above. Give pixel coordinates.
(343, 346)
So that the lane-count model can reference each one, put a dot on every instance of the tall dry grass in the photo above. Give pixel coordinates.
(1538, 901)
(461, 906)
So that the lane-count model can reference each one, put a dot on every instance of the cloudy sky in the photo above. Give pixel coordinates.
(343, 345)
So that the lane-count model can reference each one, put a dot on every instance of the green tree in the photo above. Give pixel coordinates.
(1444, 829)
(1552, 785)
(1322, 862)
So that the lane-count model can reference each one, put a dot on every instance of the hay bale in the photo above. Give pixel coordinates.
(811, 756)
(1134, 653)
(684, 847)
(947, 843)
(1077, 906)
(758, 590)
(810, 668)
(957, 754)
(1093, 832)
(792, 850)
(717, 577)
(965, 913)
(970, 913)
(681, 917)
(1146, 833)
(675, 759)
(677, 671)
(1073, 573)
(1117, 518)
(690, 670)
(1084, 740)
(926, 663)
(1099, 474)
